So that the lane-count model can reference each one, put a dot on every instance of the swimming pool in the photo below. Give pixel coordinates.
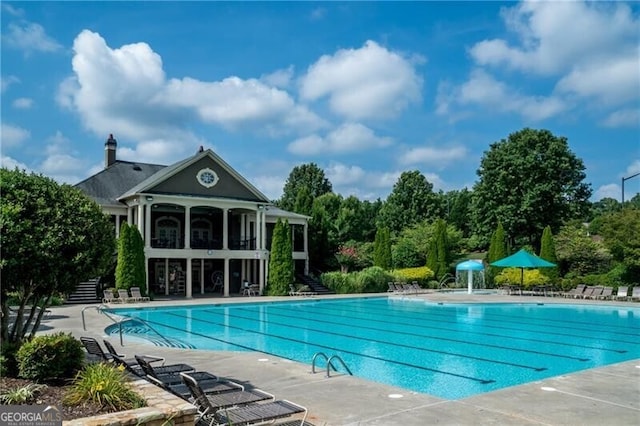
(448, 350)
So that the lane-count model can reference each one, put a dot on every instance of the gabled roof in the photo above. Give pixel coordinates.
(124, 179)
(106, 186)
(169, 171)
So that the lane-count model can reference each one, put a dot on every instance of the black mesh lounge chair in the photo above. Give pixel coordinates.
(172, 381)
(210, 403)
(131, 364)
(243, 412)
(95, 350)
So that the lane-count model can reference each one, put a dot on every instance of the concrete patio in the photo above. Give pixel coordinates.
(601, 396)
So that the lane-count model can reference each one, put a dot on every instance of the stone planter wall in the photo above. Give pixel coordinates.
(163, 409)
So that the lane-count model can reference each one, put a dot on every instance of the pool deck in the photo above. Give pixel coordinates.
(600, 396)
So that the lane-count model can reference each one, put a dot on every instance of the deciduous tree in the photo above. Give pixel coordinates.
(411, 201)
(52, 237)
(308, 176)
(529, 181)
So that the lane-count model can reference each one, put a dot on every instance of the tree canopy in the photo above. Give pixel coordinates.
(52, 238)
(529, 181)
(412, 200)
(312, 179)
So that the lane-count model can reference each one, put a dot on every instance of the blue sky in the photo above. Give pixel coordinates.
(364, 90)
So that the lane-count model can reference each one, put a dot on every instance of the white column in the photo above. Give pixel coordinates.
(147, 225)
(201, 276)
(263, 225)
(225, 229)
(130, 215)
(306, 248)
(243, 228)
(166, 276)
(189, 289)
(117, 226)
(187, 227)
(226, 277)
(140, 218)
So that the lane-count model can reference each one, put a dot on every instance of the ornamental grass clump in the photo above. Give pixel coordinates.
(22, 395)
(106, 385)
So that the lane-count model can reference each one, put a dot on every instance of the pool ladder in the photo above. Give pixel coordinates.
(329, 363)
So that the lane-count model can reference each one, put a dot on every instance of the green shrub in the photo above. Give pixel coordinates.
(421, 274)
(49, 357)
(106, 385)
(23, 395)
(8, 363)
(532, 277)
(372, 280)
(336, 281)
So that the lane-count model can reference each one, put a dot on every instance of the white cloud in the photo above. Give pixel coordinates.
(341, 175)
(592, 46)
(370, 82)
(11, 164)
(13, 135)
(349, 137)
(482, 89)
(318, 13)
(125, 91)
(624, 117)
(279, 78)
(30, 37)
(431, 155)
(5, 82)
(611, 190)
(23, 103)
(12, 10)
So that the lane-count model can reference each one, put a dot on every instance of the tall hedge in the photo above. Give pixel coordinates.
(548, 252)
(131, 270)
(438, 255)
(280, 261)
(382, 249)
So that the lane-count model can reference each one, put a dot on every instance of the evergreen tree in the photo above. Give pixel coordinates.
(382, 249)
(438, 256)
(442, 247)
(126, 267)
(140, 269)
(548, 252)
(280, 261)
(497, 251)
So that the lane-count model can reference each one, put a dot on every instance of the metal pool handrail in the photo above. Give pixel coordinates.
(329, 363)
(119, 323)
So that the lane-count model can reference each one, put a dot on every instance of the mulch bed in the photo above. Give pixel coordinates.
(53, 395)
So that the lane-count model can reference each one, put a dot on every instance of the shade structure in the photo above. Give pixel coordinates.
(523, 259)
(470, 266)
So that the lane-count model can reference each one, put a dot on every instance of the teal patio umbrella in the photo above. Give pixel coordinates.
(523, 259)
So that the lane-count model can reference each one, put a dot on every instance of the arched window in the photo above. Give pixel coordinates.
(168, 231)
(200, 233)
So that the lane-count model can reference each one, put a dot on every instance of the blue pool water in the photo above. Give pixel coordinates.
(448, 350)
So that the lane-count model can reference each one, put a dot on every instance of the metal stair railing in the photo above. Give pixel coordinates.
(329, 363)
(119, 323)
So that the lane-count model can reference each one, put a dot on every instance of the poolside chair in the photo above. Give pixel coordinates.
(607, 293)
(586, 293)
(137, 296)
(108, 296)
(622, 293)
(95, 351)
(131, 364)
(239, 413)
(575, 292)
(635, 294)
(123, 296)
(392, 287)
(595, 292)
(293, 291)
(172, 381)
(210, 403)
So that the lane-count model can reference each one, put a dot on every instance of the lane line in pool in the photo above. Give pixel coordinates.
(401, 345)
(482, 344)
(392, 361)
(559, 324)
(421, 318)
(510, 337)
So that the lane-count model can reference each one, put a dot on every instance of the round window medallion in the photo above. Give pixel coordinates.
(207, 178)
